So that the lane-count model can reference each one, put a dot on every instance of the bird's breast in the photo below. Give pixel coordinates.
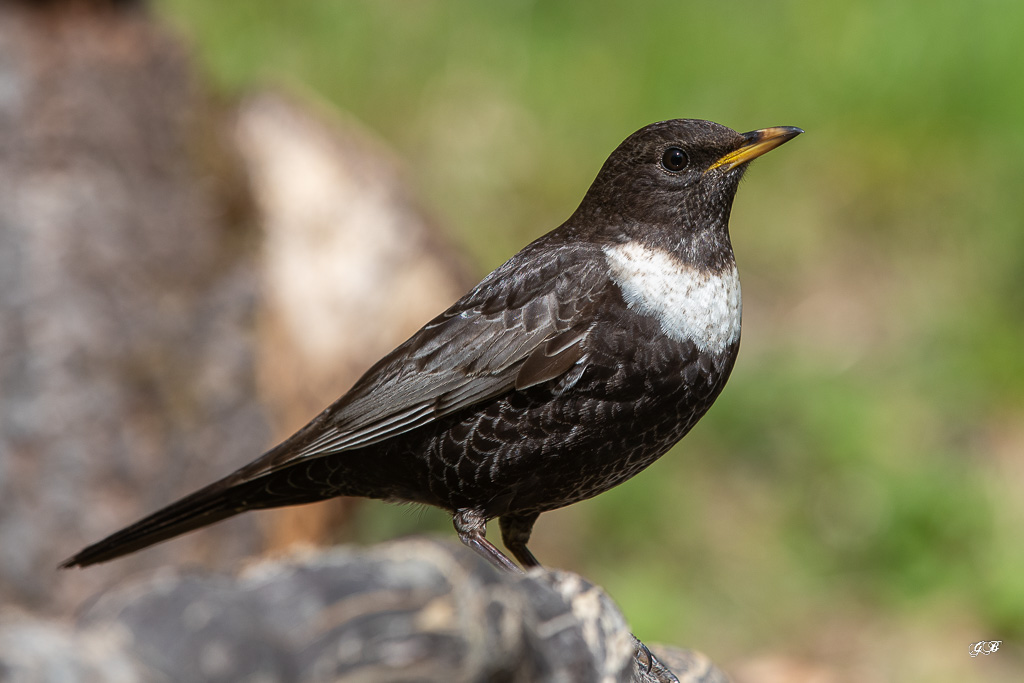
(690, 303)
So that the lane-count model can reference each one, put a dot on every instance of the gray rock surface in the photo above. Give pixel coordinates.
(413, 610)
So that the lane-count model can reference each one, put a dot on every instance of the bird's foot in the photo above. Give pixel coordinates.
(472, 529)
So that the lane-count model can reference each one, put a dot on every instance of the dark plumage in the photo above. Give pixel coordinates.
(566, 371)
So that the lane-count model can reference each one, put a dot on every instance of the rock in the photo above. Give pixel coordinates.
(412, 610)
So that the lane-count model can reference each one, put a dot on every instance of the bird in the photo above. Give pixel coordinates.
(566, 371)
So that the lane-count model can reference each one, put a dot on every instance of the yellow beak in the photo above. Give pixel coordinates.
(757, 143)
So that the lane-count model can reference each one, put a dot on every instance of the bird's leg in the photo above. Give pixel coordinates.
(472, 529)
(515, 534)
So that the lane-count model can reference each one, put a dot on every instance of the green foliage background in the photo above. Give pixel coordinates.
(854, 498)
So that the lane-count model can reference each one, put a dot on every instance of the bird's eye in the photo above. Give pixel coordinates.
(674, 159)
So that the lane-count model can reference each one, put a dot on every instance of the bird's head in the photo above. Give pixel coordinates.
(673, 181)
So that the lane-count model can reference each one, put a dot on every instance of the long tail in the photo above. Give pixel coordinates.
(258, 485)
(206, 506)
(225, 498)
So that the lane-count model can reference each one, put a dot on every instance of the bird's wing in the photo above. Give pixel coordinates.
(527, 323)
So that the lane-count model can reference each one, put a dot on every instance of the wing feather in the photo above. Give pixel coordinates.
(554, 358)
(517, 329)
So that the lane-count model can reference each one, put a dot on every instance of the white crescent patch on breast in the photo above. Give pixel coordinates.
(691, 304)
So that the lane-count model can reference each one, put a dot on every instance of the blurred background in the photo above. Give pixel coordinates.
(851, 508)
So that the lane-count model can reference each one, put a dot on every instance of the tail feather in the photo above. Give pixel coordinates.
(205, 506)
(251, 488)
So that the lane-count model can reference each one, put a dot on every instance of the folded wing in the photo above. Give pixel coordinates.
(519, 328)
